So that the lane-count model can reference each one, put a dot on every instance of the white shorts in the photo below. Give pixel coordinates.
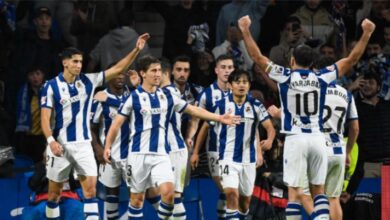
(238, 176)
(179, 160)
(304, 157)
(334, 178)
(148, 170)
(111, 175)
(213, 163)
(78, 156)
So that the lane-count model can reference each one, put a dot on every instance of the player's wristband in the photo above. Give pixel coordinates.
(50, 139)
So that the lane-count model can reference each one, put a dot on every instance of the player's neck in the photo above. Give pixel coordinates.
(298, 67)
(239, 100)
(116, 91)
(181, 87)
(222, 85)
(69, 78)
(165, 83)
(149, 88)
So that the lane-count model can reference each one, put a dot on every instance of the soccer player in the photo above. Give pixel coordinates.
(177, 149)
(217, 91)
(149, 109)
(104, 112)
(68, 99)
(238, 153)
(302, 95)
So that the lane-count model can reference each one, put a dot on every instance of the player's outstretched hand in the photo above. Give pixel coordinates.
(107, 155)
(274, 111)
(142, 41)
(230, 119)
(100, 96)
(244, 23)
(56, 148)
(368, 26)
(194, 161)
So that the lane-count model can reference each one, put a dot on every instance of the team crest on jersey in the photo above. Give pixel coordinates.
(143, 111)
(161, 97)
(216, 97)
(112, 115)
(248, 108)
(78, 84)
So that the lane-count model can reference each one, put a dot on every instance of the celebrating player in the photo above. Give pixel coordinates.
(69, 96)
(302, 95)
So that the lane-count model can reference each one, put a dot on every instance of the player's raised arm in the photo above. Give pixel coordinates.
(124, 63)
(253, 50)
(345, 64)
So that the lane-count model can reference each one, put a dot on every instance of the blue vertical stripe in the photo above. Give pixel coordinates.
(169, 116)
(139, 124)
(88, 89)
(238, 141)
(155, 131)
(323, 87)
(107, 119)
(58, 108)
(75, 107)
(223, 135)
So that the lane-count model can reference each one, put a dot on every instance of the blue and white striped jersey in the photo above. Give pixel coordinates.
(190, 95)
(238, 143)
(175, 138)
(302, 97)
(339, 107)
(149, 115)
(103, 115)
(71, 104)
(207, 99)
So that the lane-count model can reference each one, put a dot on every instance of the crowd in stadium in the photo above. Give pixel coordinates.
(211, 54)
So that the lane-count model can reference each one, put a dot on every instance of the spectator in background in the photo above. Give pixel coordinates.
(290, 37)
(7, 29)
(231, 12)
(91, 20)
(115, 44)
(6, 149)
(235, 47)
(29, 137)
(202, 69)
(316, 23)
(378, 12)
(63, 12)
(328, 50)
(386, 36)
(374, 145)
(178, 20)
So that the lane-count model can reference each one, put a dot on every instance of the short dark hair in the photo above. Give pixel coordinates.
(323, 61)
(181, 58)
(303, 55)
(67, 53)
(327, 45)
(144, 62)
(373, 76)
(236, 74)
(165, 65)
(223, 57)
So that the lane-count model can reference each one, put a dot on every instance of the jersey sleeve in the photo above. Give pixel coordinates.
(261, 111)
(329, 73)
(352, 111)
(97, 79)
(278, 73)
(179, 105)
(126, 108)
(47, 97)
(96, 112)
